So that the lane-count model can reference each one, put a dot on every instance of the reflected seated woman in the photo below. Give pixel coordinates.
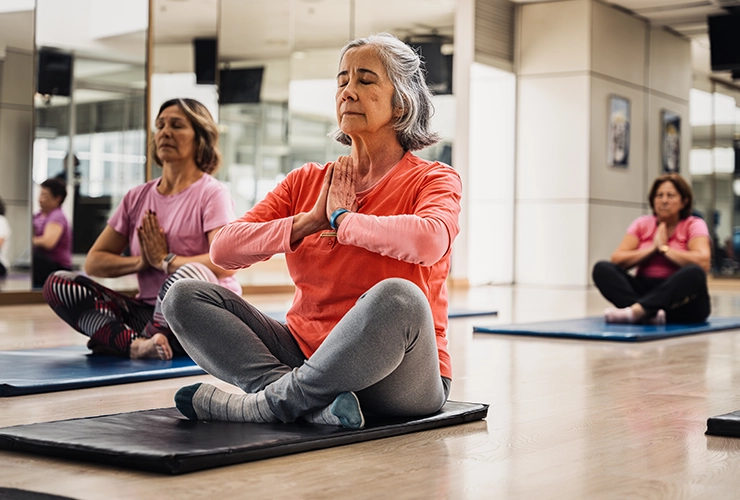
(672, 253)
(168, 225)
(52, 235)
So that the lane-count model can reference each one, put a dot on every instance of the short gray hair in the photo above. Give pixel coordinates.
(411, 93)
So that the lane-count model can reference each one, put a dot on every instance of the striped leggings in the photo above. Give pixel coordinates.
(113, 320)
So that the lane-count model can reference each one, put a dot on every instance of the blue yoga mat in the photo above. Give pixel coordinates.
(35, 371)
(73, 367)
(597, 329)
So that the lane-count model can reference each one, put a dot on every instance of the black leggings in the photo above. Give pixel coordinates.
(683, 295)
(42, 267)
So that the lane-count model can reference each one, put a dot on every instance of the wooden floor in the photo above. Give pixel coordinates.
(568, 419)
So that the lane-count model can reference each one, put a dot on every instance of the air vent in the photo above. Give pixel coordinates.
(494, 29)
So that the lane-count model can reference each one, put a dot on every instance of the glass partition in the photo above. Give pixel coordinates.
(715, 171)
(16, 130)
(90, 107)
(287, 54)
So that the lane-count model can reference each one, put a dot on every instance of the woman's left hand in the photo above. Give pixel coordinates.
(342, 189)
(152, 240)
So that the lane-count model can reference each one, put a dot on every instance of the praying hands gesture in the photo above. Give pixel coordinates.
(338, 191)
(661, 236)
(152, 241)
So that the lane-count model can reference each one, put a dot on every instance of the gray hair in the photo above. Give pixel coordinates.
(411, 94)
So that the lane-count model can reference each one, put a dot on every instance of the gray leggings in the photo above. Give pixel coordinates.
(384, 349)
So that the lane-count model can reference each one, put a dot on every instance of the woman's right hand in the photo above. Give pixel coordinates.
(307, 223)
(317, 215)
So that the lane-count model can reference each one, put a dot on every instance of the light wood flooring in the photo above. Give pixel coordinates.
(568, 419)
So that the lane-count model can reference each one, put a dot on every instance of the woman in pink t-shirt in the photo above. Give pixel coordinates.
(52, 236)
(367, 240)
(165, 228)
(672, 253)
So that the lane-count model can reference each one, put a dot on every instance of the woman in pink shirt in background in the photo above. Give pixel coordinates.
(367, 240)
(672, 253)
(167, 225)
(52, 236)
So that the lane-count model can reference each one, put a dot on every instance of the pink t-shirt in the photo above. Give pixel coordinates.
(62, 252)
(186, 217)
(659, 266)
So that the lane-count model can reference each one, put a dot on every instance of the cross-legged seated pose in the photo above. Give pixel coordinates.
(672, 253)
(52, 236)
(367, 240)
(168, 225)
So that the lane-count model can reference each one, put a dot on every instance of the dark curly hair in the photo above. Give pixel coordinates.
(56, 187)
(683, 188)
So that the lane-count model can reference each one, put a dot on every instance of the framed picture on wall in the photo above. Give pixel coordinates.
(670, 141)
(618, 141)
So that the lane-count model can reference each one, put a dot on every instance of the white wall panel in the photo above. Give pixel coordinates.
(553, 138)
(552, 243)
(555, 37)
(618, 48)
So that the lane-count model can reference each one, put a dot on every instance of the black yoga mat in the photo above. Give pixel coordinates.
(597, 329)
(34, 371)
(724, 425)
(17, 494)
(164, 441)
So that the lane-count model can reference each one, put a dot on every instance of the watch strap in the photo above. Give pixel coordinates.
(166, 262)
(335, 215)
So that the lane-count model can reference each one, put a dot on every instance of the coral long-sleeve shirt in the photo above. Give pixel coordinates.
(404, 228)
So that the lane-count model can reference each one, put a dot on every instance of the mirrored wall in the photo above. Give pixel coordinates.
(715, 170)
(16, 130)
(95, 73)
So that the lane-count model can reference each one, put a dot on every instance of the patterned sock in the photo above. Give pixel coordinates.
(206, 402)
(344, 411)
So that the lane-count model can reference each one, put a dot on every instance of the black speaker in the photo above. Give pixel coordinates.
(240, 85)
(54, 73)
(724, 42)
(205, 51)
(438, 66)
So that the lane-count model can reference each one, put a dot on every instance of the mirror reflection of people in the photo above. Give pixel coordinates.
(4, 241)
(367, 240)
(52, 235)
(168, 225)
(672, 253)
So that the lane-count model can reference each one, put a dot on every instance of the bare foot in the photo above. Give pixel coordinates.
(157, 347)
(659, 318)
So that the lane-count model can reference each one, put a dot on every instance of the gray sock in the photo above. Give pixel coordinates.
(344, 411)
(206, 402)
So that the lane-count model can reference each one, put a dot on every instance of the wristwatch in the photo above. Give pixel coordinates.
(166, 262)
(663, 249)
